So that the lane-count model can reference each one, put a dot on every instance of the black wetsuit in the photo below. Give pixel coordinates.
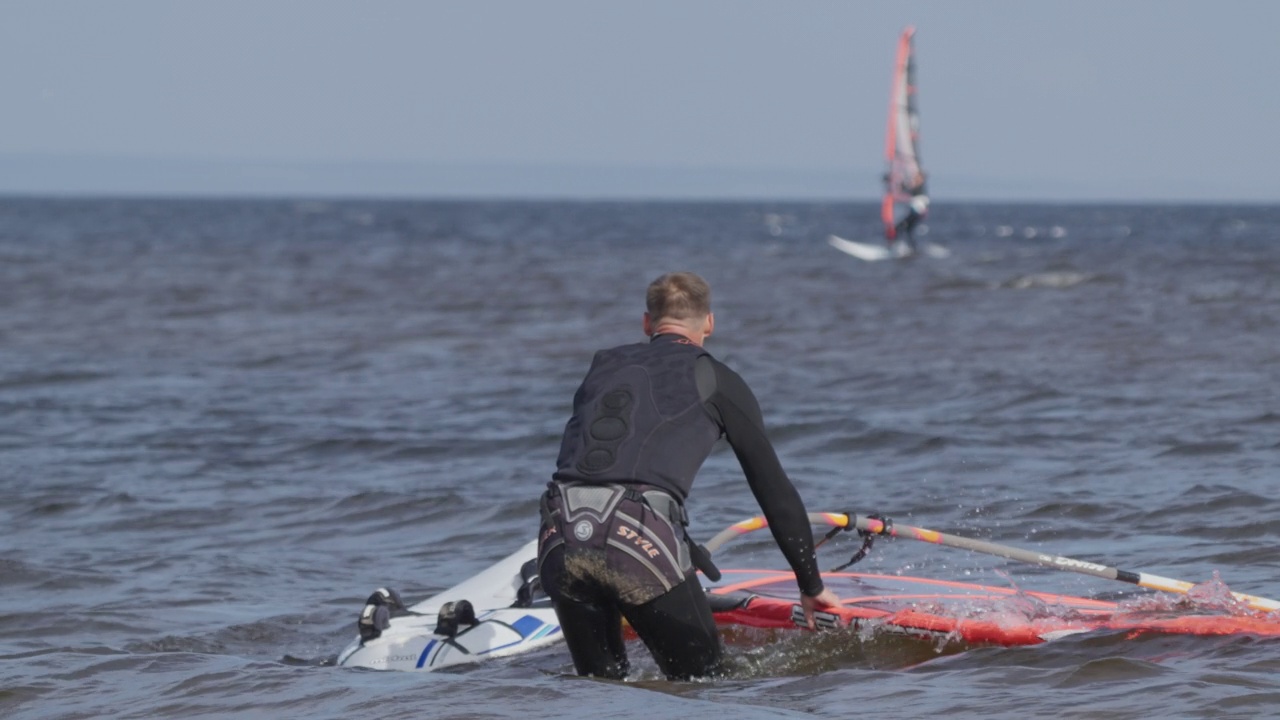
(906, 227)
(904, 231)
(613, 540)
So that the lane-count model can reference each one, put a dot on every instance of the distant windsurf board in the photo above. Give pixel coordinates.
(872, 253)
(862, 251)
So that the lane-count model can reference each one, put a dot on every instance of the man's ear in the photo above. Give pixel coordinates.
(711, 325)
(648, 325)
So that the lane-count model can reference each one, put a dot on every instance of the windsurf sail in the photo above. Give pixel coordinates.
(906, 201)
(980, 614)
(904, 176)
(961, 612)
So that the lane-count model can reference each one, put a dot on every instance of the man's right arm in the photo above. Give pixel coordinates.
(740, 416)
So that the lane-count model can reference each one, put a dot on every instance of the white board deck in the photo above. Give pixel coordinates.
(872, 253)
(411, 643)
(862, 251)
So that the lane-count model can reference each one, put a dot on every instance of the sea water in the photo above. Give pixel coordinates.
(224, 423)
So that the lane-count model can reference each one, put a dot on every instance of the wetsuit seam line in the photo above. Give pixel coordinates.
(661, 426)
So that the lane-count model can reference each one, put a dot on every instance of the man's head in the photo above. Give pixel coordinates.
(679, 303)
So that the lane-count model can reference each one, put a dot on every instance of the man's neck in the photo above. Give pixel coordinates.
(680, 330)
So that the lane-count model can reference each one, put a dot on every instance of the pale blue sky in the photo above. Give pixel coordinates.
(1020, 99)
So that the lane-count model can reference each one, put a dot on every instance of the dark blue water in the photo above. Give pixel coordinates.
(223, 423)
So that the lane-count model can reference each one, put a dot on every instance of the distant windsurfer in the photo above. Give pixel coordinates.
(917, 209)
(613, 543)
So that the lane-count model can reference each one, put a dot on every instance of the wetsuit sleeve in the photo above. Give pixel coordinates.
(734, 406)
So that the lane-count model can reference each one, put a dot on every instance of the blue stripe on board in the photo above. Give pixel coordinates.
(423, 657)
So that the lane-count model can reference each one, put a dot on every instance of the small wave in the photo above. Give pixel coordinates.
(1192, 449)
(118, 499)
(484, 446)
(1203, 494)
(1080, 511)
(1031, 396)
(243, 639)
(265, 361)
(177, 644)
(958, 283)
(51, 508)
(16, 572)
(331, 447)
(379, 501)
(50, 378)
(882, 439)
(1061, 279)
(1259, 556)
(1111, 670)
(1218, 292)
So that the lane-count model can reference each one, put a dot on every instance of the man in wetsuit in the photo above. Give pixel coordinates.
(917, 209)
(612, 542)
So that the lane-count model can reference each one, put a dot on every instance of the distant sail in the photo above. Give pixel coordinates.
(902, 138)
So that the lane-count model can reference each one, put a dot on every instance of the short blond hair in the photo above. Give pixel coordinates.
(678, 296)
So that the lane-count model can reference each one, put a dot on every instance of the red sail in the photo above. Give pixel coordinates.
(902, 136)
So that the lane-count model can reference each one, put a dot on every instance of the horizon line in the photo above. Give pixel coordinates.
(110, 176)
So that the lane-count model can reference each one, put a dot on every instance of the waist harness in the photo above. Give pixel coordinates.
(630, 538)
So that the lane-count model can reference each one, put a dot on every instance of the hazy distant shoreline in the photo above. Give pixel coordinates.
(105, 176)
